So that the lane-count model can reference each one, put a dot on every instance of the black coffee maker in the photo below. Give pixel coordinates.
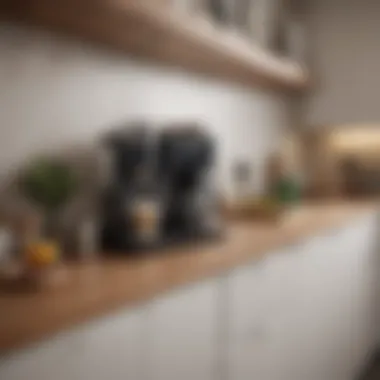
(161, 189)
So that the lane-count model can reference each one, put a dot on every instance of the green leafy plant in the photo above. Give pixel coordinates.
(50, 184)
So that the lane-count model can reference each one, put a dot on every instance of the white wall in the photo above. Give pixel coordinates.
(345, 39)
(56, 92)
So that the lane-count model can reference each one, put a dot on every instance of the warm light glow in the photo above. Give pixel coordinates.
(356, 140)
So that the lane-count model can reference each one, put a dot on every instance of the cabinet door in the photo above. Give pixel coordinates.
(247, 327)
(113, 348)
(183, 334)
(283, 313)
(370, 272)
(44, 361)
(311, 316)
(109, 348)
(361, 246)
(376, 275)
(337, 283)
(263, 305)
(338, 286)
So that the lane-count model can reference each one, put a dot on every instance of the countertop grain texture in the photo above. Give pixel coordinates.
(97, 288)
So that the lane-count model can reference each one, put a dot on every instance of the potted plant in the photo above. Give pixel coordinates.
(49, 184)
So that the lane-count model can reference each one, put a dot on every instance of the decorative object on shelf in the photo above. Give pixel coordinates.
(49, 184)
(218, 10)
(283, 184)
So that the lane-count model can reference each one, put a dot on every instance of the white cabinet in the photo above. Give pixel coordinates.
(282, 347)
(361, 245)
(183, 333)
(338, 306)
(263, 303)
(50, 360)
(324, 310)
(336, 316)
(109, 348)
(247, 327)
(114, 348)
(299, 315)
(308, 311)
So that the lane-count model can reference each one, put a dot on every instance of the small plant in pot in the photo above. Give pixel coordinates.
(49, 184)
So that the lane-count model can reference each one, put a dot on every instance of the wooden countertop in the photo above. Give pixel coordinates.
(94, 289)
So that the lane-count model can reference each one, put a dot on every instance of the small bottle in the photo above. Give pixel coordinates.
(88, 238)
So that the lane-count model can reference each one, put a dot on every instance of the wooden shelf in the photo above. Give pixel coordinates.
(154, 31)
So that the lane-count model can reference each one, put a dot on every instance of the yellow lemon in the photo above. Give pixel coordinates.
(42, 253)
